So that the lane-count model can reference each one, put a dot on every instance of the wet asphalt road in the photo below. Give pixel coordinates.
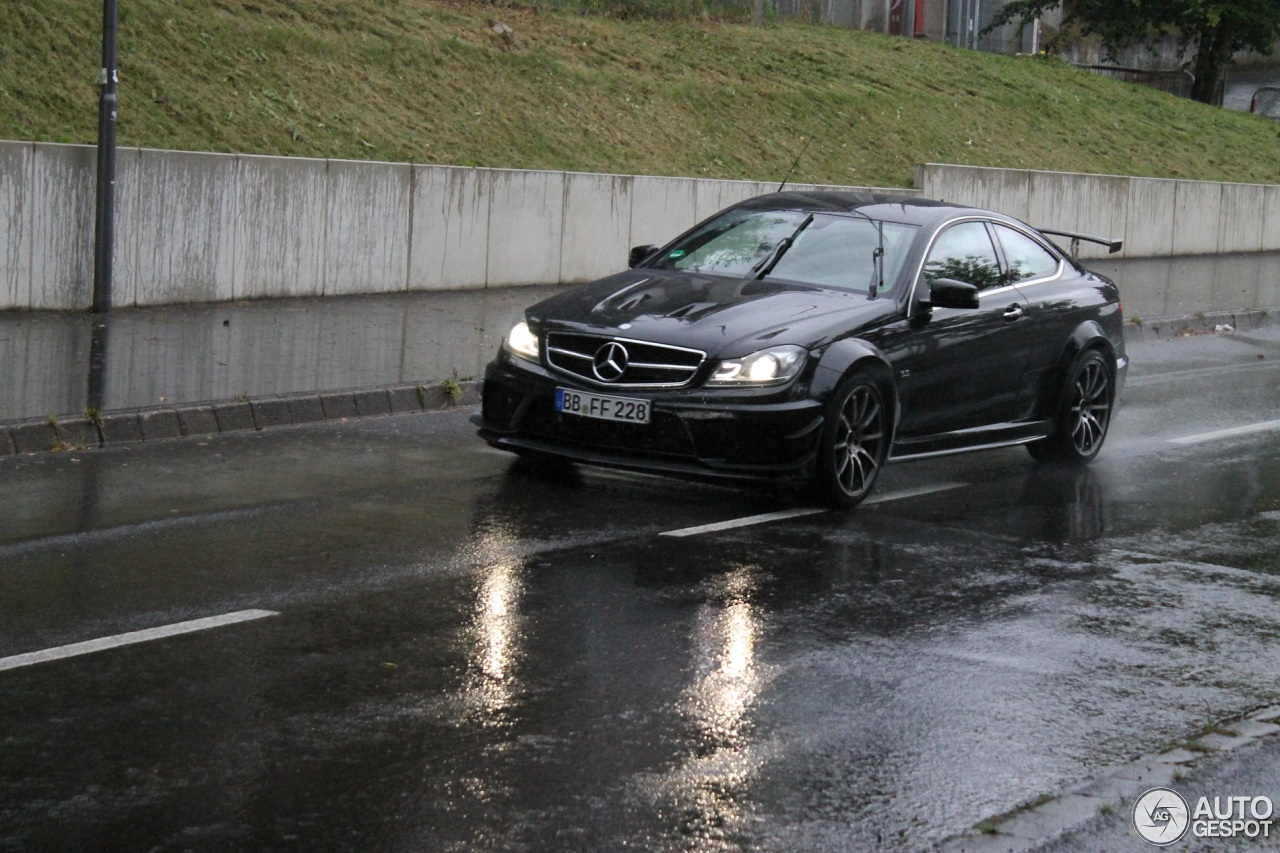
(468, 657)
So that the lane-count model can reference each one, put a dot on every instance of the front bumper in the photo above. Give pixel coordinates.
(740, 434)
(1122, 372)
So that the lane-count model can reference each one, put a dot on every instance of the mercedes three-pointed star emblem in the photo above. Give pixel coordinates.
(610, 362)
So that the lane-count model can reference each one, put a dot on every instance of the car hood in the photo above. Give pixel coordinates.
(725, 316)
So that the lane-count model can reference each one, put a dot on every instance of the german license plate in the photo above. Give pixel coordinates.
(603, 407)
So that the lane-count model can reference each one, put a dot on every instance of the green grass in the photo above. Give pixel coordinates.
(413, 80)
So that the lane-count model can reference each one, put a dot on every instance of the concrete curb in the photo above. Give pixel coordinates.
(1048, 818)
(1181, 325)
(129, 426)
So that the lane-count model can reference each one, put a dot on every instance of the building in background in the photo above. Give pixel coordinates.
(958, 22)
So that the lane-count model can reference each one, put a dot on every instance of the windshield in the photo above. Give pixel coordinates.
(833, 250)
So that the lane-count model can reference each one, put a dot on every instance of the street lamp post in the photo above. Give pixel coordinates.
(104, 226)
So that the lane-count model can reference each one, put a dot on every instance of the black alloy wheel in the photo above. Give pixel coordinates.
(855, 442)
(1085, 413)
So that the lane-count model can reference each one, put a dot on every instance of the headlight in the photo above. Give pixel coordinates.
(771, 366)
(522, 342)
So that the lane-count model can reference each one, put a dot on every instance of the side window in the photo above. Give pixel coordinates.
(964, 252)
(1027, 258)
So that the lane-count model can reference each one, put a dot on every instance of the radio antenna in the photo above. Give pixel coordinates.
(787, 177)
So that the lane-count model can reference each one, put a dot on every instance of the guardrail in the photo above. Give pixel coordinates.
(1178, 83)
(1266, 102)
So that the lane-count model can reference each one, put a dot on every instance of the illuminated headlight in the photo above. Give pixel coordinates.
(768, 367)
(522, 342)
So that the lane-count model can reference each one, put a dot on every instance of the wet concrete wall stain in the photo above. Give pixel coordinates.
(195, 227)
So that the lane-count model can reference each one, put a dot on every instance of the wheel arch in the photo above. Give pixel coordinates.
(842, 358)
(1088, 335)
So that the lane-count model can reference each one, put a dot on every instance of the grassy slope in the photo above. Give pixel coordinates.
(424, 81)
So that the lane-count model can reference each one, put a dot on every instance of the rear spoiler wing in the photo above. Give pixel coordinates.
(1112, 245)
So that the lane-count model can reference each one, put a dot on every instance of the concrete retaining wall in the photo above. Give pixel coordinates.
(195, 227)
(1156, 218)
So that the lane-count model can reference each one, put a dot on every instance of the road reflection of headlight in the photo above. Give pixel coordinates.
(496, 625)
(740, 637)
(723, 695)
(725, 646)
(494, 621)
(709, 788)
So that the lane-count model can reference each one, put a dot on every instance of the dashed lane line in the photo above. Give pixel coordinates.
(764, 518)
(1266, 426)
(163, 631)
(914, 492)
(742, 522)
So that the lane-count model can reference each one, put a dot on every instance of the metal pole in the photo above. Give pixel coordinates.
(104, 226)
(99, 338)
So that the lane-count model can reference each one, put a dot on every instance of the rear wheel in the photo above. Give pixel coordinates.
(1084, 413)
(855, 442)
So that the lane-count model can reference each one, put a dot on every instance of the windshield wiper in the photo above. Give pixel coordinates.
(877, 257)
(877, 269)
(770, 261)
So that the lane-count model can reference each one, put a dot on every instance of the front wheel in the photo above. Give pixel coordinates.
(855, 442)
(1084, 413)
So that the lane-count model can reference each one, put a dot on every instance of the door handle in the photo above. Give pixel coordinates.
(1013, 312)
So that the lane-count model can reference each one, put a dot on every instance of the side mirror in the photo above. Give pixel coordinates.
(639, 254)
(949, 293)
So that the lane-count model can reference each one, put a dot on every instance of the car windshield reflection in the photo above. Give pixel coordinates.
(832, 251)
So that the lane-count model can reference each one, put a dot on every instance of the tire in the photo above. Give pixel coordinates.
(1084, 414)
(854, 442)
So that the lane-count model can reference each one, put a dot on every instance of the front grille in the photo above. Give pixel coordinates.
(597, 359)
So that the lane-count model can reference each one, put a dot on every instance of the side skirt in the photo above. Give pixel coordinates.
(969, 440)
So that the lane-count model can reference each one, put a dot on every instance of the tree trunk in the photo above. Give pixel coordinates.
(1212, 56)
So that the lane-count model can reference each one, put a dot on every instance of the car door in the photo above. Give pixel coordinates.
(962, 367)
(1049, 285)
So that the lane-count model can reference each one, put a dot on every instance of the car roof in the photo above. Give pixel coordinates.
(898, 208)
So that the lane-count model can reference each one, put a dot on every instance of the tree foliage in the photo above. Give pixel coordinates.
(1211, 31)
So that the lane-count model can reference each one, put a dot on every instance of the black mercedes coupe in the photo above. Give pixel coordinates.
(813, 337)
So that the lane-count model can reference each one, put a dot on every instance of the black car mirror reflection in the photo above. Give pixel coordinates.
(949, 293)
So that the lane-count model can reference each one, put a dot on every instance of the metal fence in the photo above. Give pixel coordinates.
(1177, 83)
(839, 13)
(958, 22)
(967, 20)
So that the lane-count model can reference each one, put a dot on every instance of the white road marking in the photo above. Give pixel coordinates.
(743, 522)
(915, 492)
(90, 646)
(799, 513)
(1266, 426)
